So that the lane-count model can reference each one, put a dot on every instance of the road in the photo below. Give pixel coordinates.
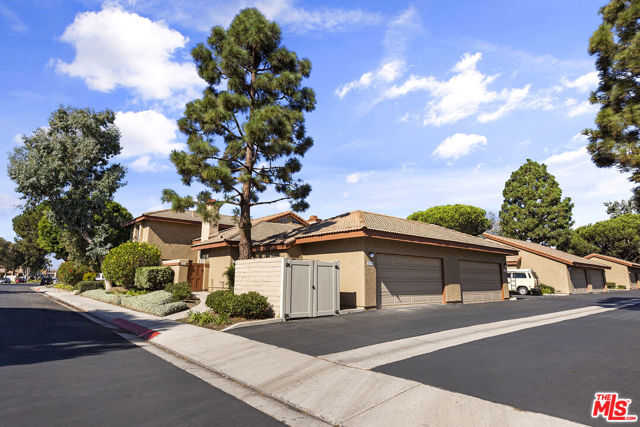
(553, 369)
(60, 369)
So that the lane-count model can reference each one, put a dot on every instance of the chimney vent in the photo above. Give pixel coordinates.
(313, 219)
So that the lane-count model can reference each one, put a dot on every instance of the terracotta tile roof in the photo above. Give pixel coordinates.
(513, 260)
(361, 221)
(275, 217)
(545, 251)
(614, 260)
(260, 233)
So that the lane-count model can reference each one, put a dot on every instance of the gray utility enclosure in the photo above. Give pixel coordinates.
(294, 288)
(311, 288)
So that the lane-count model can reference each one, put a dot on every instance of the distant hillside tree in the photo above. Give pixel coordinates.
(617, 237)
(25, 226)
(464, 218)
(622, 207)
(615, 140)
(247, 133)
(533, 207)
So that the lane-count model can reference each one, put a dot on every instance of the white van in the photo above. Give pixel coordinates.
(523, 281)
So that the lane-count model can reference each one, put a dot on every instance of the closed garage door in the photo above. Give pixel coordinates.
(578, 280)
(480, 281)
(633, 279)
(408, 280)
(597, 280)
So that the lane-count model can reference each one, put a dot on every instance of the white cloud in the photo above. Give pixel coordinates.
(8, 202)
(579, 138)
(356, 177)
(115, 48)
(146, 132)
(145, 164)
(583, 83)
(12, 18)
(459, 145)
(578, 109)
(202, 15)
(393, 66)
(567, 156)
(515, 98)
(17, 138)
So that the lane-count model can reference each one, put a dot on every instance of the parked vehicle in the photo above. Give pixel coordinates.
(5, 281)
(21, 279)
(46, 280)
(523, 281)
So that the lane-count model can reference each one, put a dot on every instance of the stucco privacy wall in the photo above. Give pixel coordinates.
(551, 273)
(180, 269)
(451, 260)
(219, 260)
(262, 275)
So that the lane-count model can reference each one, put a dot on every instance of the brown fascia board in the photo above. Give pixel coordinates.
(155, 218)
(614, 260)
(543, 254)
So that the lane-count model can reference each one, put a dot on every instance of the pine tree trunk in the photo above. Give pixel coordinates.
(245, 245)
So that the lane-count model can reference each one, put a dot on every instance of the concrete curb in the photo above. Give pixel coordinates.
(252, 323)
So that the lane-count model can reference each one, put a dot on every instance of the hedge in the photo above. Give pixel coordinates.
(87, 285)
(89, 276)
(153, 278)
(251, 305)
(180, 291)
(120, 264)
(70, 273)
(158, 303)
(547, 289)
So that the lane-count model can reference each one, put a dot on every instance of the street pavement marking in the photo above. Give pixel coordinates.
(371, 356)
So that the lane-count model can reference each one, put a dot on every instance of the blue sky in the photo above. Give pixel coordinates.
(418, 103)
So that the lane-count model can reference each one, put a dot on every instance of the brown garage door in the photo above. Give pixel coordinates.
(578, 280)
(633, 279)
(597, 280)
(480, 281)
(408, 280)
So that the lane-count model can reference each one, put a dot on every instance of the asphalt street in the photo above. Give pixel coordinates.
(340, 333)
(553, 369)
(58, 368)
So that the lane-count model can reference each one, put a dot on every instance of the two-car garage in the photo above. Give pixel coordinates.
(403, 280)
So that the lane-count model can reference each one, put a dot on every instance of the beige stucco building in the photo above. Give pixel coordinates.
(172, 232)
(384, 261)
(622, 272)
(567, 273)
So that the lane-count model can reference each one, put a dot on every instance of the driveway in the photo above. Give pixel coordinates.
(569, 348)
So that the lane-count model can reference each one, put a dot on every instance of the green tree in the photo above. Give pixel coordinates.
(254, 108)
(617, 237)
(617, 208)
(615, 140)
(464, 218)
(68, 166)
(25, 226)
(533, 207)
(11, 257)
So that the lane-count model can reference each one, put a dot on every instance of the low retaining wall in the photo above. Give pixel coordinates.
(262, 275)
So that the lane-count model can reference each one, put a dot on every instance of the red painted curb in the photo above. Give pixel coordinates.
(140, 331)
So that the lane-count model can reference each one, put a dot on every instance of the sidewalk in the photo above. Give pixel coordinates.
(332, 392)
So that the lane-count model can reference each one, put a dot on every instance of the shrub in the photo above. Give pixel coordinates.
(64, 287)
(230, 274)
(89, 276)
(547, 289)
(180, 291)
(87, 285)
(120, 264)
(222, 302)
(70, 273)
(621, 287)
(206, 318)
(611, 285)
(252, 305)
(153, 278)
(104, 296)
(153, 303)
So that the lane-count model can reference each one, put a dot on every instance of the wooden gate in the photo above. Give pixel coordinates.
(195, 276)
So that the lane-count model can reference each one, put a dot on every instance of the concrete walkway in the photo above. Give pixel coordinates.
(332, 392)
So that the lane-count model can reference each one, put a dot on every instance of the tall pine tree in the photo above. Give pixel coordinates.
(533, 207)
(615, 141)
(247, 133)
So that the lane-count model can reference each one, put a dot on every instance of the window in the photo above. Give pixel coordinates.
(520, 275)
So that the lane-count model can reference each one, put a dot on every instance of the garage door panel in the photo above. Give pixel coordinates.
(480, 281)
(597, 280)
(409, 280)
(578, 280)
